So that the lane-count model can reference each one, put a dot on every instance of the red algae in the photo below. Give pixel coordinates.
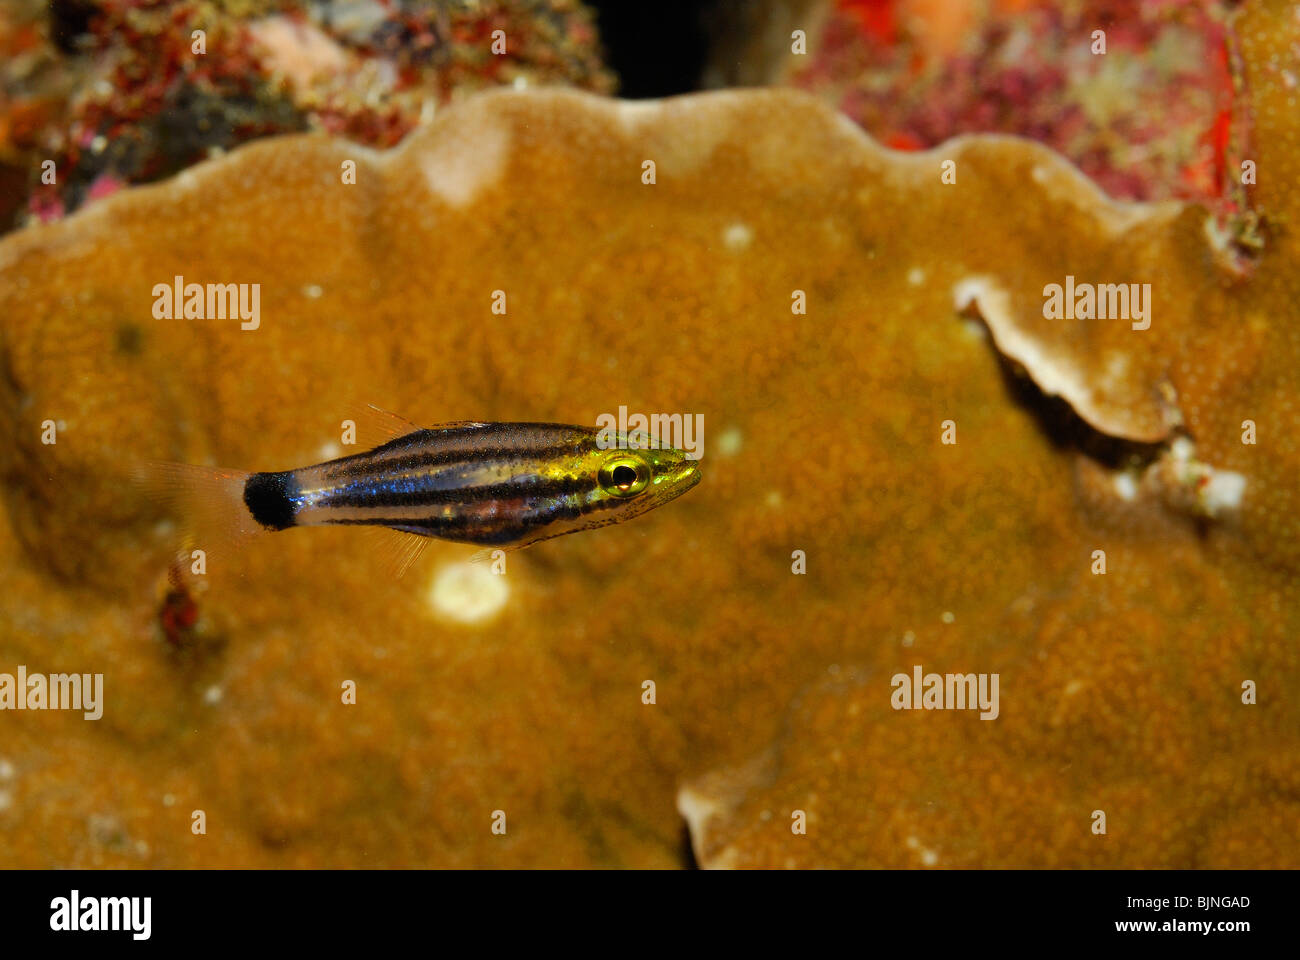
(1145, 119)
(131, 92)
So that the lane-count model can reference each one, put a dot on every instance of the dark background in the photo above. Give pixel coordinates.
(657, 47)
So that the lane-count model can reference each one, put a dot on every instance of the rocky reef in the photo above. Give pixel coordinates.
(117, 92)
(1102, 512)
(1139, 95)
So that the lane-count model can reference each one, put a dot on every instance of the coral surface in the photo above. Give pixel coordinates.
(1121, 691)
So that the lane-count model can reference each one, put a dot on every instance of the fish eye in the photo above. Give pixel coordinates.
(624, 477)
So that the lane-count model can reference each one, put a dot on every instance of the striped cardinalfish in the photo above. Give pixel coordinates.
(499, 485)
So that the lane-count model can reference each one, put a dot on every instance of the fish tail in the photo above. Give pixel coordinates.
(209, 504)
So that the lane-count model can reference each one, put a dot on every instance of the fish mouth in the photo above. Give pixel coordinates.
(682, 476)
(694, 473)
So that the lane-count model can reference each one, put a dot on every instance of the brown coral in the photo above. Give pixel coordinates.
(1120, 692)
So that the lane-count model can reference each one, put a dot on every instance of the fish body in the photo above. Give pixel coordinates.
(493, 484)
(484, 483)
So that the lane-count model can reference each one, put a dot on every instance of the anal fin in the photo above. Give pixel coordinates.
(394, 550)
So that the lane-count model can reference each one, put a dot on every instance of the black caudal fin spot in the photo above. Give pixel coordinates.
(267, 497)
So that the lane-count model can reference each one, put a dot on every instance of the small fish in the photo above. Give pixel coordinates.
(493, 484)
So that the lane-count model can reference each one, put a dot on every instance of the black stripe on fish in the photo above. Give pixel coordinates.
(416, 459)
(408, 492)
(475, 527)
(436, 448)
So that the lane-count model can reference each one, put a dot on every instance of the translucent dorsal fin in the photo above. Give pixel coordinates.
(376, 426)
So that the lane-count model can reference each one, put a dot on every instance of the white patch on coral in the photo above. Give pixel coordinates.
(729, 442)
(1216, 490)
(973, 290)
(468, 592)
(916, 276)
(928, 857)
(1126, 485)
(1223, 491)
(632, 113)
(1182, 449)
(737, 237)
(458, 167)
(1117, 368)
(679, 134)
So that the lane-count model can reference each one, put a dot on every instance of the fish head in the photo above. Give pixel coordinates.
(635, 477)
